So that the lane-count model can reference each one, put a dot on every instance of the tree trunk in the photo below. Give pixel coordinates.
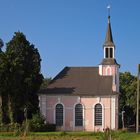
(0, 109)
(10, 112)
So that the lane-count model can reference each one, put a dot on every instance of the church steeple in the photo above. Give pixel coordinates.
(109, 65)
(109, 37)
(109, 47)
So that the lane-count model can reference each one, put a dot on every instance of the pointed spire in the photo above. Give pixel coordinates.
(109, 38)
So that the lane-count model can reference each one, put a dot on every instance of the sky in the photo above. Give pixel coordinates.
(72, 32)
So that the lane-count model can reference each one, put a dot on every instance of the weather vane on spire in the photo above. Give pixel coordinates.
(108, 8)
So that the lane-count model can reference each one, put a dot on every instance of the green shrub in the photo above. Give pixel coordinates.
(50, 127)
(36, 124)
(63, 133)
(108, 134)
(12, 127)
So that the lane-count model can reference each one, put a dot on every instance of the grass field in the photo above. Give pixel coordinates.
(117, 135)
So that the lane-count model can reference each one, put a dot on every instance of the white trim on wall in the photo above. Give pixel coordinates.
(113, 52)
(104, 52)
(113, 120)
(43, 105)
(110, 113)
(106, 70)
(100, 70)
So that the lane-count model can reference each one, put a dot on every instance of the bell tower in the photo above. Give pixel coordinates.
(109, 65)
(109, 46)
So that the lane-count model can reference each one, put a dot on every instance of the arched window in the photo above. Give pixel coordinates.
(59, 115)
(108, 71)
(106, 52)
(111, 52)
(98, 114)
(78, 115)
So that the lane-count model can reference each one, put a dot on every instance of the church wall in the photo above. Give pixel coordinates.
(42, 104)
(117, 113)
(88, 102)
(111, 70)
(69, 102)
(89, 112)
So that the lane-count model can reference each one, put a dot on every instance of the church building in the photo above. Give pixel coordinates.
(84, 98)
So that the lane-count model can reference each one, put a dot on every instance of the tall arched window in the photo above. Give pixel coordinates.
(78, 115)
(59, 115)
(106, 52)
(108, 71)
(98, 114)
(111, 52)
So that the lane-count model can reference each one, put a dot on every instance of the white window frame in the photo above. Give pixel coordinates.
(103, 121)
(74, 115)
(63, 113)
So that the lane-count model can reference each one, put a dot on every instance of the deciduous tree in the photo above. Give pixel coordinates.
(127, 101)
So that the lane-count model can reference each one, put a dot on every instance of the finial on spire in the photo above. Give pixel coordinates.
(108, 8)
(109, 37)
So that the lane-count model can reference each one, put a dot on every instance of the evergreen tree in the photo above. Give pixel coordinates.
(23, 77)
(3, 86)
(46, 82)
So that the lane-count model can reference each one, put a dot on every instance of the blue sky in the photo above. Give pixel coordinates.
(72, 32)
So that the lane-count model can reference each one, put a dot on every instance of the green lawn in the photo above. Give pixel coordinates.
(129, 136)
(117, 135)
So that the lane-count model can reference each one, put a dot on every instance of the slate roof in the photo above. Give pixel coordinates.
(109, 61)
(79, 81)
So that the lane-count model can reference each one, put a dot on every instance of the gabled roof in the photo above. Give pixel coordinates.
(79, 81)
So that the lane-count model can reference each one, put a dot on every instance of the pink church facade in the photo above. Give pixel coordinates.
(109, 112)
(84, 98)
